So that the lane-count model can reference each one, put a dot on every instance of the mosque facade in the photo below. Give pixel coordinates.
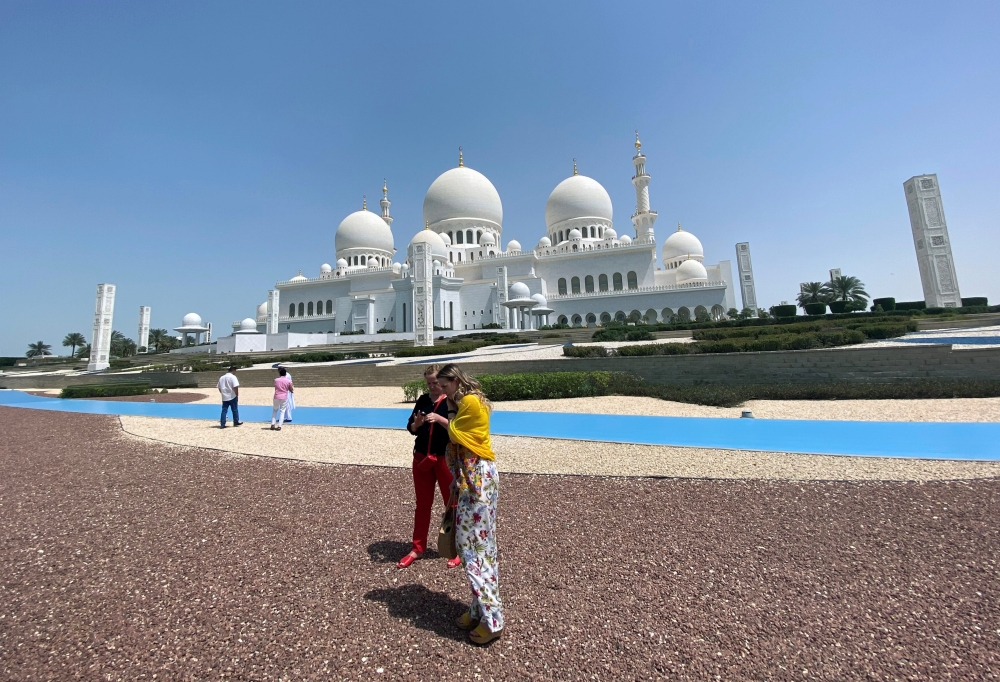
(580, 273)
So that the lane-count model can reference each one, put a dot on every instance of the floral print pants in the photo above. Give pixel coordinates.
(475, 535)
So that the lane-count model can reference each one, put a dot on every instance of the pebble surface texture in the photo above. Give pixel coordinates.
(124, 560)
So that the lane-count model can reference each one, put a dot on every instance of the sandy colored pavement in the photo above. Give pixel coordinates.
(393, 448)
(944, 410)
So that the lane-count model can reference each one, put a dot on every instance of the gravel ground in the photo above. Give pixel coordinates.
(393, 448)
(951, 409)
(158, 398)
(126, 561)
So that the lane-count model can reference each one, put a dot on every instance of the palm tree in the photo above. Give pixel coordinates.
(38, 350)
(846, 288)
(84, 351)
(121, 346)
(156, 337)
(811, 292)
(75, 339)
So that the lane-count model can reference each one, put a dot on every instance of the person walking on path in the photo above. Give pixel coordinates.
(430, 467)
(290, 405)
(229, 387)
(282, 388)
(475, 488)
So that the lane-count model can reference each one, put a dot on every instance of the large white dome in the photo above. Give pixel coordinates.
(462, 193)
(518, 291)
(682, 244)
(438, 248)
(691, 271)
(262, 309)
(577, 197)
(191, 320)
(364, 230)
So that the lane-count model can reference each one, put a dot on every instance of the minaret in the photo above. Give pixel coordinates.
(644, 218)
(385, 204)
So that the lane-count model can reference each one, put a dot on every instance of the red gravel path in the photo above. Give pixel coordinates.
(121, 561)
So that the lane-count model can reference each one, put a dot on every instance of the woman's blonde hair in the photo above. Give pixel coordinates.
(466, 385)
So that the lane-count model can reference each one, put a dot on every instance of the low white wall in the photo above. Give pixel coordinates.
(204, 348)
(253, 343)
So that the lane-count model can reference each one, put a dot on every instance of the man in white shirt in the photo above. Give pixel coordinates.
(229, 387)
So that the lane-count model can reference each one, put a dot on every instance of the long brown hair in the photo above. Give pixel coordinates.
(466, 385)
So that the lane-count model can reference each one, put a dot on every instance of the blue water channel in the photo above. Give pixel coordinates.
(920, 440)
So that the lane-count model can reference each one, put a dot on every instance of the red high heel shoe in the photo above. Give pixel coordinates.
(455, 563)
(407, 560)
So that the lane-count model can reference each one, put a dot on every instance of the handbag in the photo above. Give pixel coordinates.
(446, 535)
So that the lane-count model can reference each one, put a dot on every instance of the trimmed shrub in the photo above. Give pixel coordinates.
(815, 308)
(610, 333)
(910, 305)
(839, 307)
(446, 349)
(639, 335)
(658, 349)
(413, 389)
(886, 303)
(974, 301)
(103, 390)
(784, 310)
(9, 362)
(549, 385)
(571, 351)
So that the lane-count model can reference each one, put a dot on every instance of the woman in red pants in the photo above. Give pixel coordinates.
(429, 465)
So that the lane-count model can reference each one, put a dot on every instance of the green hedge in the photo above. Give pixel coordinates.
(975, 301)
(572, 351)
(910, 305)
(546, 385)
(445, 349)
(886, 303)
(787, 310)
(103, 390)
(815, 308)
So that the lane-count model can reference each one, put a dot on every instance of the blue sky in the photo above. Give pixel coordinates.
(195, 153)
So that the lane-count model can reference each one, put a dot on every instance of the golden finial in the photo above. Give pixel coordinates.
(385, 188)
(638, 145)
(427, 225)
(574, 167)
(364, 202)
(461, 161)
(679, 227)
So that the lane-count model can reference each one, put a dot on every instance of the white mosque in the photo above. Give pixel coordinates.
(580, 273)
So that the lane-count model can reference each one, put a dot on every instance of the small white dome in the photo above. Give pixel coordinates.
(519, 290)
(575, 234)
(462, 193)
(373, 263)
(488, 239)
(364, 230)
(513, 246)
(691, 271)
(544, 243)
(610, 234)
(540, 300)
(625, 239)
(262, 309)
(577, 197)
(404, 269)
(682, 244)
(445, 238)
(325, 267)
(248, 325)
(191, 320)
(397, 268)
(341, 262)
(298, 278)
(438, 248)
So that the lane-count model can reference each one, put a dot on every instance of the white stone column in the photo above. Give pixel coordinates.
(504, 316)
(744, 268)
(273, 303)
(422, 273)
(100, 343)
(142, 339)
(932, 243)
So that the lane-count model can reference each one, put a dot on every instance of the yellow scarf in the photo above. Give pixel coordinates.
(471, 427)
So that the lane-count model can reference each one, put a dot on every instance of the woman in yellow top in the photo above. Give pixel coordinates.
(475, 488)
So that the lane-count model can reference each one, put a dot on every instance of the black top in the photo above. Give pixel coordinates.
(439, 438)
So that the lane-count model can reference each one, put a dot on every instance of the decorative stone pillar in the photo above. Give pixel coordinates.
(142, 339)
(100, 343)
(504, 315)
(422, 272)
(933, 245)
(273, 302)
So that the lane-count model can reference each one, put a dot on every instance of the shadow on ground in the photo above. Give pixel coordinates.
(424, 608)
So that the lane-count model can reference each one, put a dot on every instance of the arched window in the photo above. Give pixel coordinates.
(468, 236)
(650, 316)
(291, 310)
(460, 237)
(600, 232)
(633, 281)
(451, 237)
(634, 316)
(309, 309)
(667, 314)
(472, 255)
(302, 310)
(575, 283)
(560, 236)
(574, 247)
(605, 318)
(364, 260)
(329, 307)
(563, 319)
(717, 312)
(620, 316)
(588, 284)
(602, 282)
(701, 314)
(319, 307)
(591, 320)
(562, 286)
(577, 321)
(617, 279)
(479, 236)
(684, 314)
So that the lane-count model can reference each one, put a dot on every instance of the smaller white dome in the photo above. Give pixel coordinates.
(519, 290)
(513, 246)
(248, 325)
(341, 262)
(445, 238)
(610, 234)
(373, 263)
(682, 244)
(325, 267)
(575, 234)
(298, 278)
(540, 300)
(438, 248)
(487, 239)
(191, 320)
(262, 309)
(404, 269)
(691, 271)
(625, 239)
(397, 268)
(544, 243)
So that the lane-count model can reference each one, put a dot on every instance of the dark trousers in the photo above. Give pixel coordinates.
(226, 404)
(424, 480)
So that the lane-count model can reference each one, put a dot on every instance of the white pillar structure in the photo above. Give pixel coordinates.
(273, 302)
(208, 333)
(644, 218)
(930, 238)
(504, 314)
(142, 340)
(100, 343)
(422, 272)
(745, 269)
